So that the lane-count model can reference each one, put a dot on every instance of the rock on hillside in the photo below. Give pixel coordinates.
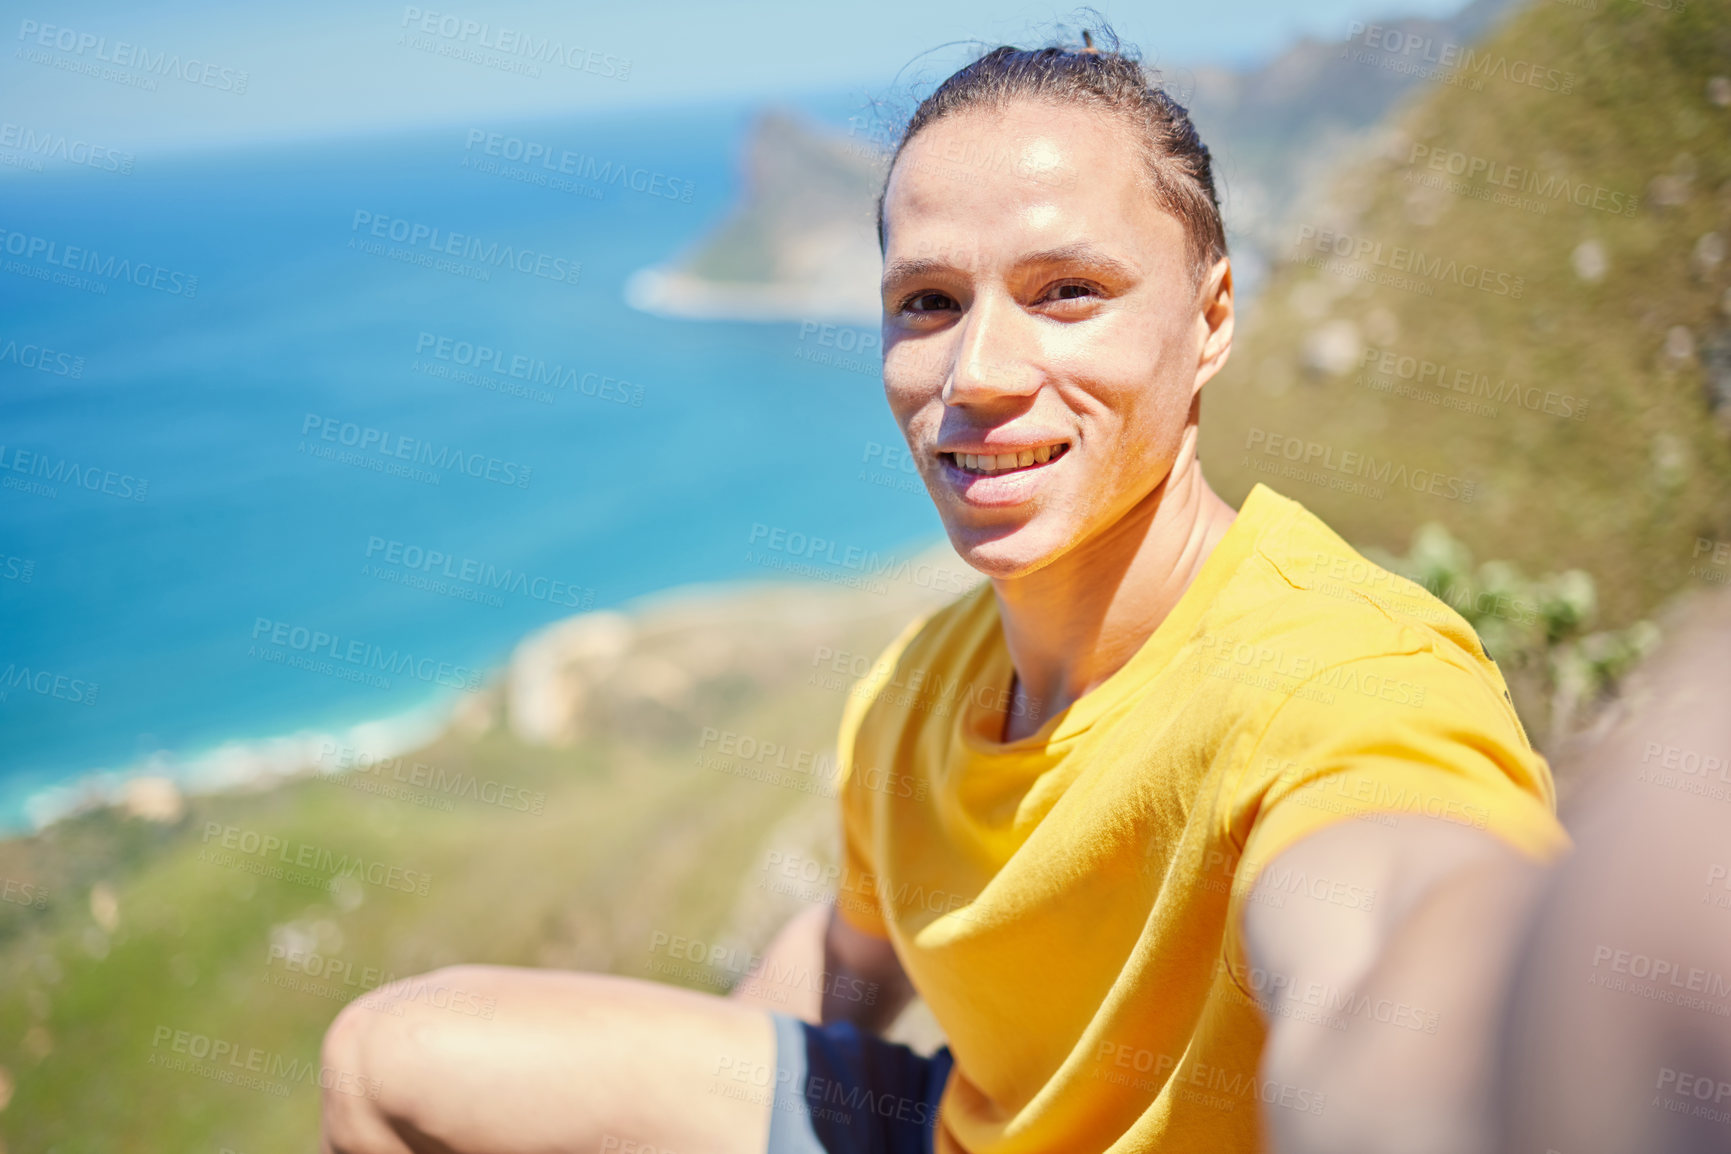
(682, 655)
(800, 244)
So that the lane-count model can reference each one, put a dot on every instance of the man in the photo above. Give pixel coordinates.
(1134, 896)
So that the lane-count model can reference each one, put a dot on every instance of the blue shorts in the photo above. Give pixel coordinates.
(839, 1090)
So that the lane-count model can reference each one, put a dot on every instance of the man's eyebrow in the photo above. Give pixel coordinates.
(912, 269)
(1081, 253)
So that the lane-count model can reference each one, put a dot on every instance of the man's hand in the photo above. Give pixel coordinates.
(821, 969)
(1617, 1035)
(1416, 975)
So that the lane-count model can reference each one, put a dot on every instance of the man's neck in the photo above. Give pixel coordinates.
(1072, 624)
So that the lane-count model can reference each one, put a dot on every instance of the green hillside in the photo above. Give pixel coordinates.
(1522, 343)
(155, 941)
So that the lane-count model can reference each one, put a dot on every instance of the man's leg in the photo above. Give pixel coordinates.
(497, 1060)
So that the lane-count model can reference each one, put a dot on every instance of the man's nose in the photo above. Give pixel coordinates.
(991, 358)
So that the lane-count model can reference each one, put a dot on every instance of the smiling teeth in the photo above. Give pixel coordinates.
(989, 464)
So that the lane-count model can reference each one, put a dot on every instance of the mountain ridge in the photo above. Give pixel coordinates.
(800, 242)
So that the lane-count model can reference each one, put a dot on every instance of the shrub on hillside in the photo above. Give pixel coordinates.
(1535, 628)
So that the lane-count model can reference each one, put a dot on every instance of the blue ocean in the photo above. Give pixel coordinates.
(297, 437)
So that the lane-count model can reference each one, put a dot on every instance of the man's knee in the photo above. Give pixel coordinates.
(374, 1065)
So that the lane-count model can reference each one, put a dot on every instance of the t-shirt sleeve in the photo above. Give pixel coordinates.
(856, 892)
(1384, 737)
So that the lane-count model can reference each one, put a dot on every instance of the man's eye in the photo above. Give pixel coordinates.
(1070, 291)
(928, 302)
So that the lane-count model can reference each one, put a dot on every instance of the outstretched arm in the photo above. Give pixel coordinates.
(1424, 969)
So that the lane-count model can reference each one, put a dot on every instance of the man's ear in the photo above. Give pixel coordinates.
(1216, 315)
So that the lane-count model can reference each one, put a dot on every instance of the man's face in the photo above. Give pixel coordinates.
(1041, 331)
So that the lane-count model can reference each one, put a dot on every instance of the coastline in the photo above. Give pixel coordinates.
(532, 694)
(624, 784)
(235, 764)
(669, 292)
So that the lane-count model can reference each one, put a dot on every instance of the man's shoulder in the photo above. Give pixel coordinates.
(1304, 584)
(1340, 670)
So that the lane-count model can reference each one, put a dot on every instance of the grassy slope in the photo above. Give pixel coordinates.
(634, 839)
(1623, 493)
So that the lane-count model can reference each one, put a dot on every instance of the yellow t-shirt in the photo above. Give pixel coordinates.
(1069, 904)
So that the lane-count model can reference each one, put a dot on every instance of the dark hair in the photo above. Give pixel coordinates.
(1180, 171)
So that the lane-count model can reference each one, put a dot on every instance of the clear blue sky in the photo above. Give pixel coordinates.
(326, 67)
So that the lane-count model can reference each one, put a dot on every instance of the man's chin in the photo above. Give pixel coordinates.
(1005, 555)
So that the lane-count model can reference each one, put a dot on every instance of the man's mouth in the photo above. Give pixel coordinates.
(994, 464)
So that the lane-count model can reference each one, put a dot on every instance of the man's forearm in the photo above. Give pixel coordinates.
(1416, 1077)
(784, 980)
(820, 970)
